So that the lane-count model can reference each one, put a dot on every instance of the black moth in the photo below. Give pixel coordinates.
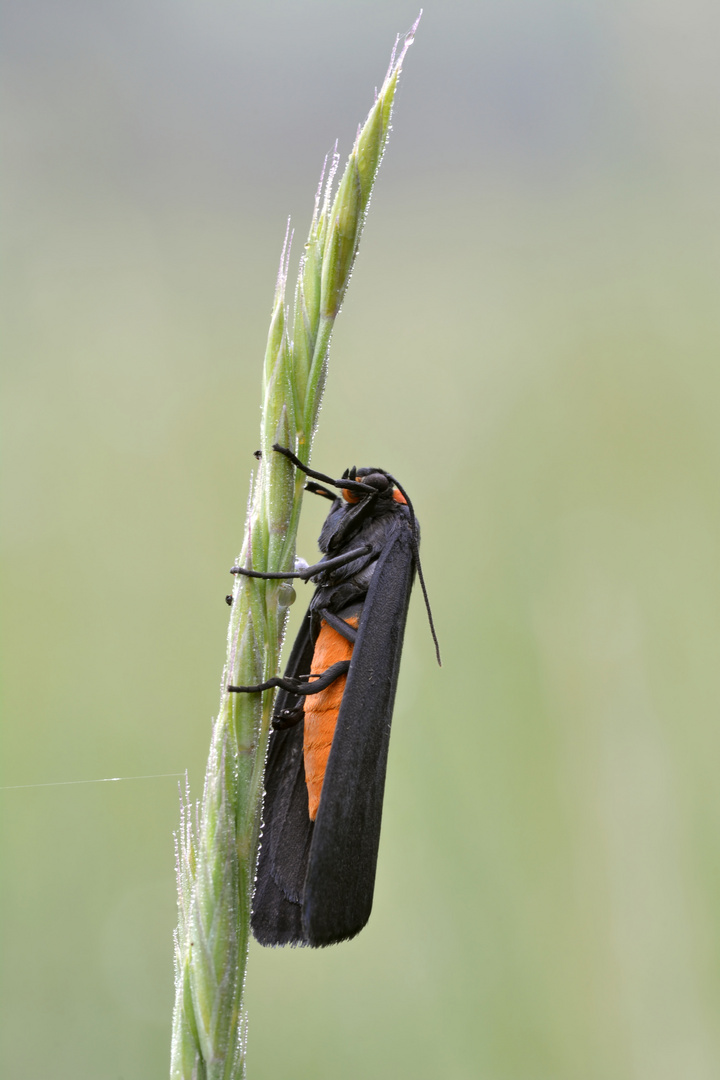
(325, 773)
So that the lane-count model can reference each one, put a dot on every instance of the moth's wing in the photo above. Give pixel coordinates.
(343, 855)
(287, 829)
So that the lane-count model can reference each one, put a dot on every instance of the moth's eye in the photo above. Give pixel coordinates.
(377, 480)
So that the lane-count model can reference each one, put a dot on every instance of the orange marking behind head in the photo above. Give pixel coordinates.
(321, 710)
(353, 497)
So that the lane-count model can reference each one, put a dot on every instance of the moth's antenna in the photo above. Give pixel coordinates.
(416, 554)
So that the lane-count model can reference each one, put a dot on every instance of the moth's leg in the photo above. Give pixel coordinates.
(343, 628)
(298, 685)
(345, 482)
(318, 489)
(308, 572)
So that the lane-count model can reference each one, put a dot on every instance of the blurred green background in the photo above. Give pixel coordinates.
(530, 342)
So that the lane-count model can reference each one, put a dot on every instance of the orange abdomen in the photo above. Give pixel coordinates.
(321, 710)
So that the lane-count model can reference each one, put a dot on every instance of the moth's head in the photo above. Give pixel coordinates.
(374, 478)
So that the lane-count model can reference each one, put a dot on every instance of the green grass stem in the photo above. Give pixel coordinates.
(218, 839)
